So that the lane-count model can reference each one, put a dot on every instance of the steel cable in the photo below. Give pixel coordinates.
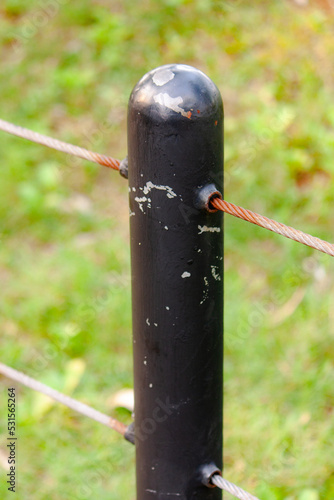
(219, 204)
(64, 147)
(82, 408)
(272, 225)
(223, 484)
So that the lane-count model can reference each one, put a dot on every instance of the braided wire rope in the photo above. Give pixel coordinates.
(272, 225)
(219, 204)
(223, 484)
(75, 405)
(64, 147)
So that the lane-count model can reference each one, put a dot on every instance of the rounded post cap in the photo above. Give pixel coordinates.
(176, 91)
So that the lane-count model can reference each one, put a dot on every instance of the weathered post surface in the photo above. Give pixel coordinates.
(175, 147)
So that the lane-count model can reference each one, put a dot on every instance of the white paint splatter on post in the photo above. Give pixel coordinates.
(206, 290)
(215, 274)
(208, 229)
(172, 103)
(149, 186)
(140, 202)
(160, 78)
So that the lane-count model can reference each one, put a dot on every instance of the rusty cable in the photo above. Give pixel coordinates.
(272, 225)
(219, 204)
(64, 147)
(75, 405)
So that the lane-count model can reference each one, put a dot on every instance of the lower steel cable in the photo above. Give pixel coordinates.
(223, 484)
(75, 405)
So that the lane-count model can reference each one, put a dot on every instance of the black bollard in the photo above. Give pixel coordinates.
(175, 156)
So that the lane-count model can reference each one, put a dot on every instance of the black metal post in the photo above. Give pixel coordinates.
(175, 145)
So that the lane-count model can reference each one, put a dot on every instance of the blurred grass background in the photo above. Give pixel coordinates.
(67, 69)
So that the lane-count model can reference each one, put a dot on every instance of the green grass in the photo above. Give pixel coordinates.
(64, 255)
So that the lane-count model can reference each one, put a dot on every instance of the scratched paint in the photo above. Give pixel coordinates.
(170, 494)
(149, 186)
(160, 78)
(215, 274)
(146, 202)
(208, 229)
(206, 290)
(172, 103)
(140, 202)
